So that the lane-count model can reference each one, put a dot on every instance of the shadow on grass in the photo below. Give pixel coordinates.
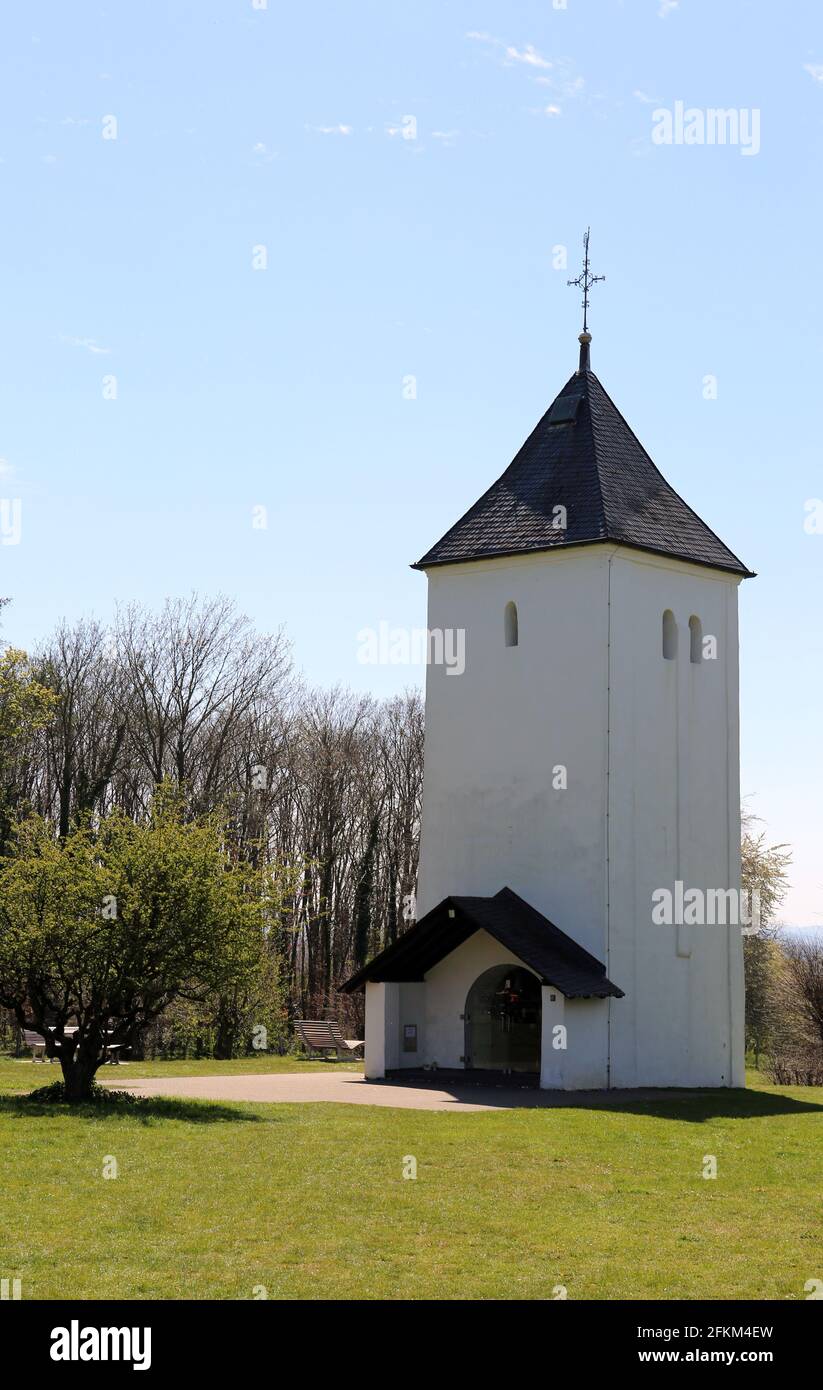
(144, 1109)
(695, 1106)
(700, 1106)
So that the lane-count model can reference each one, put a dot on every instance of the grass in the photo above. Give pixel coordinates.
(21, 1074)
(218, 1200)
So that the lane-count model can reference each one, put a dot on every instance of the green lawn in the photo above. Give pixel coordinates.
(215, 1200)
(21, 1074)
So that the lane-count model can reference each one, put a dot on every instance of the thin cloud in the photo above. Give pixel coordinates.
(330, 129)
(645, 98)
(666, 7)
(527, 55)
(89, 344)
(815, 70)
(446, 137)
(565, 83)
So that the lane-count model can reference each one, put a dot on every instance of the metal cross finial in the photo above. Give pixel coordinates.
(586, 280)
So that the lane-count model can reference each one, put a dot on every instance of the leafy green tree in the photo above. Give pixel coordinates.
(763, 869)
(250, 1011)
(25, 704)
(103, 929)
(766, 1018)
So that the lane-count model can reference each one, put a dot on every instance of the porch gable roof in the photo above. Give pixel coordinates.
(537, 942)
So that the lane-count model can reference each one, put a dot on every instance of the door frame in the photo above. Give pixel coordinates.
(468, 1060)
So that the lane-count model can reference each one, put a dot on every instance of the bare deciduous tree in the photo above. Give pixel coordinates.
(804, 961)
(327, 783)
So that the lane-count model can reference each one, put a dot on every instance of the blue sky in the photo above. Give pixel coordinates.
(285, 127)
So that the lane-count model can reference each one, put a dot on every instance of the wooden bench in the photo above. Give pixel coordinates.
(36, 1042)
(69, 1030)
(321, 1035)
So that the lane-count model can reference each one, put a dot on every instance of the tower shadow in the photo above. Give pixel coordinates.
(692, 1106)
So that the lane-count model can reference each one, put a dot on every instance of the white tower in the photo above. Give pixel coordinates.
(586, 758)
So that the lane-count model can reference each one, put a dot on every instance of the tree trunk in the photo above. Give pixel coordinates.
(364, 888)
(78, 1076)
(226, 1030)
(224, 1044)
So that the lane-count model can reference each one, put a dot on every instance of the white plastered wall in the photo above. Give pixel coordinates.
(674, 813)
(496, 734)
(650, 750)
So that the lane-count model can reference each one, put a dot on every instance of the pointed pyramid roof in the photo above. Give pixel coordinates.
(584, 457)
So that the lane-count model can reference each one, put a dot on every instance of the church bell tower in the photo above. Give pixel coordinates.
(581, 772)
(587, 757)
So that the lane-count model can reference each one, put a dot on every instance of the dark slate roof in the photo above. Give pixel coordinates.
(523, 930)
(583, 456)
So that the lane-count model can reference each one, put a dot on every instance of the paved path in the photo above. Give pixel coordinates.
(350, 1088)
(347, 1088)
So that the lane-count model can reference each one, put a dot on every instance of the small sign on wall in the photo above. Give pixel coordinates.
(409, 1037)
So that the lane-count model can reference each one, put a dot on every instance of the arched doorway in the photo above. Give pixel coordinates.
(503, 1021)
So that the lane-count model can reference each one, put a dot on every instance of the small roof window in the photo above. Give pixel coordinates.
(564, 411)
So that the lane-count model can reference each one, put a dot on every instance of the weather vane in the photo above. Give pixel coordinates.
(586, 280)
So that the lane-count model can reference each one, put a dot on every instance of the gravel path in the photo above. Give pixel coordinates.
(349, 1088)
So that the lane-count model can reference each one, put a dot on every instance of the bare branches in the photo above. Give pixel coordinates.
(326, 782)
(196, 671)
(804, 966)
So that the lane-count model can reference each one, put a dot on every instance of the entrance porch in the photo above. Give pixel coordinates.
(489, 985)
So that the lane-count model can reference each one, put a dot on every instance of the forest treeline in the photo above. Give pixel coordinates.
(326, 782)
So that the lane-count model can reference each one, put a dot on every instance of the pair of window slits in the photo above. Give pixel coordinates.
(670, 637)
